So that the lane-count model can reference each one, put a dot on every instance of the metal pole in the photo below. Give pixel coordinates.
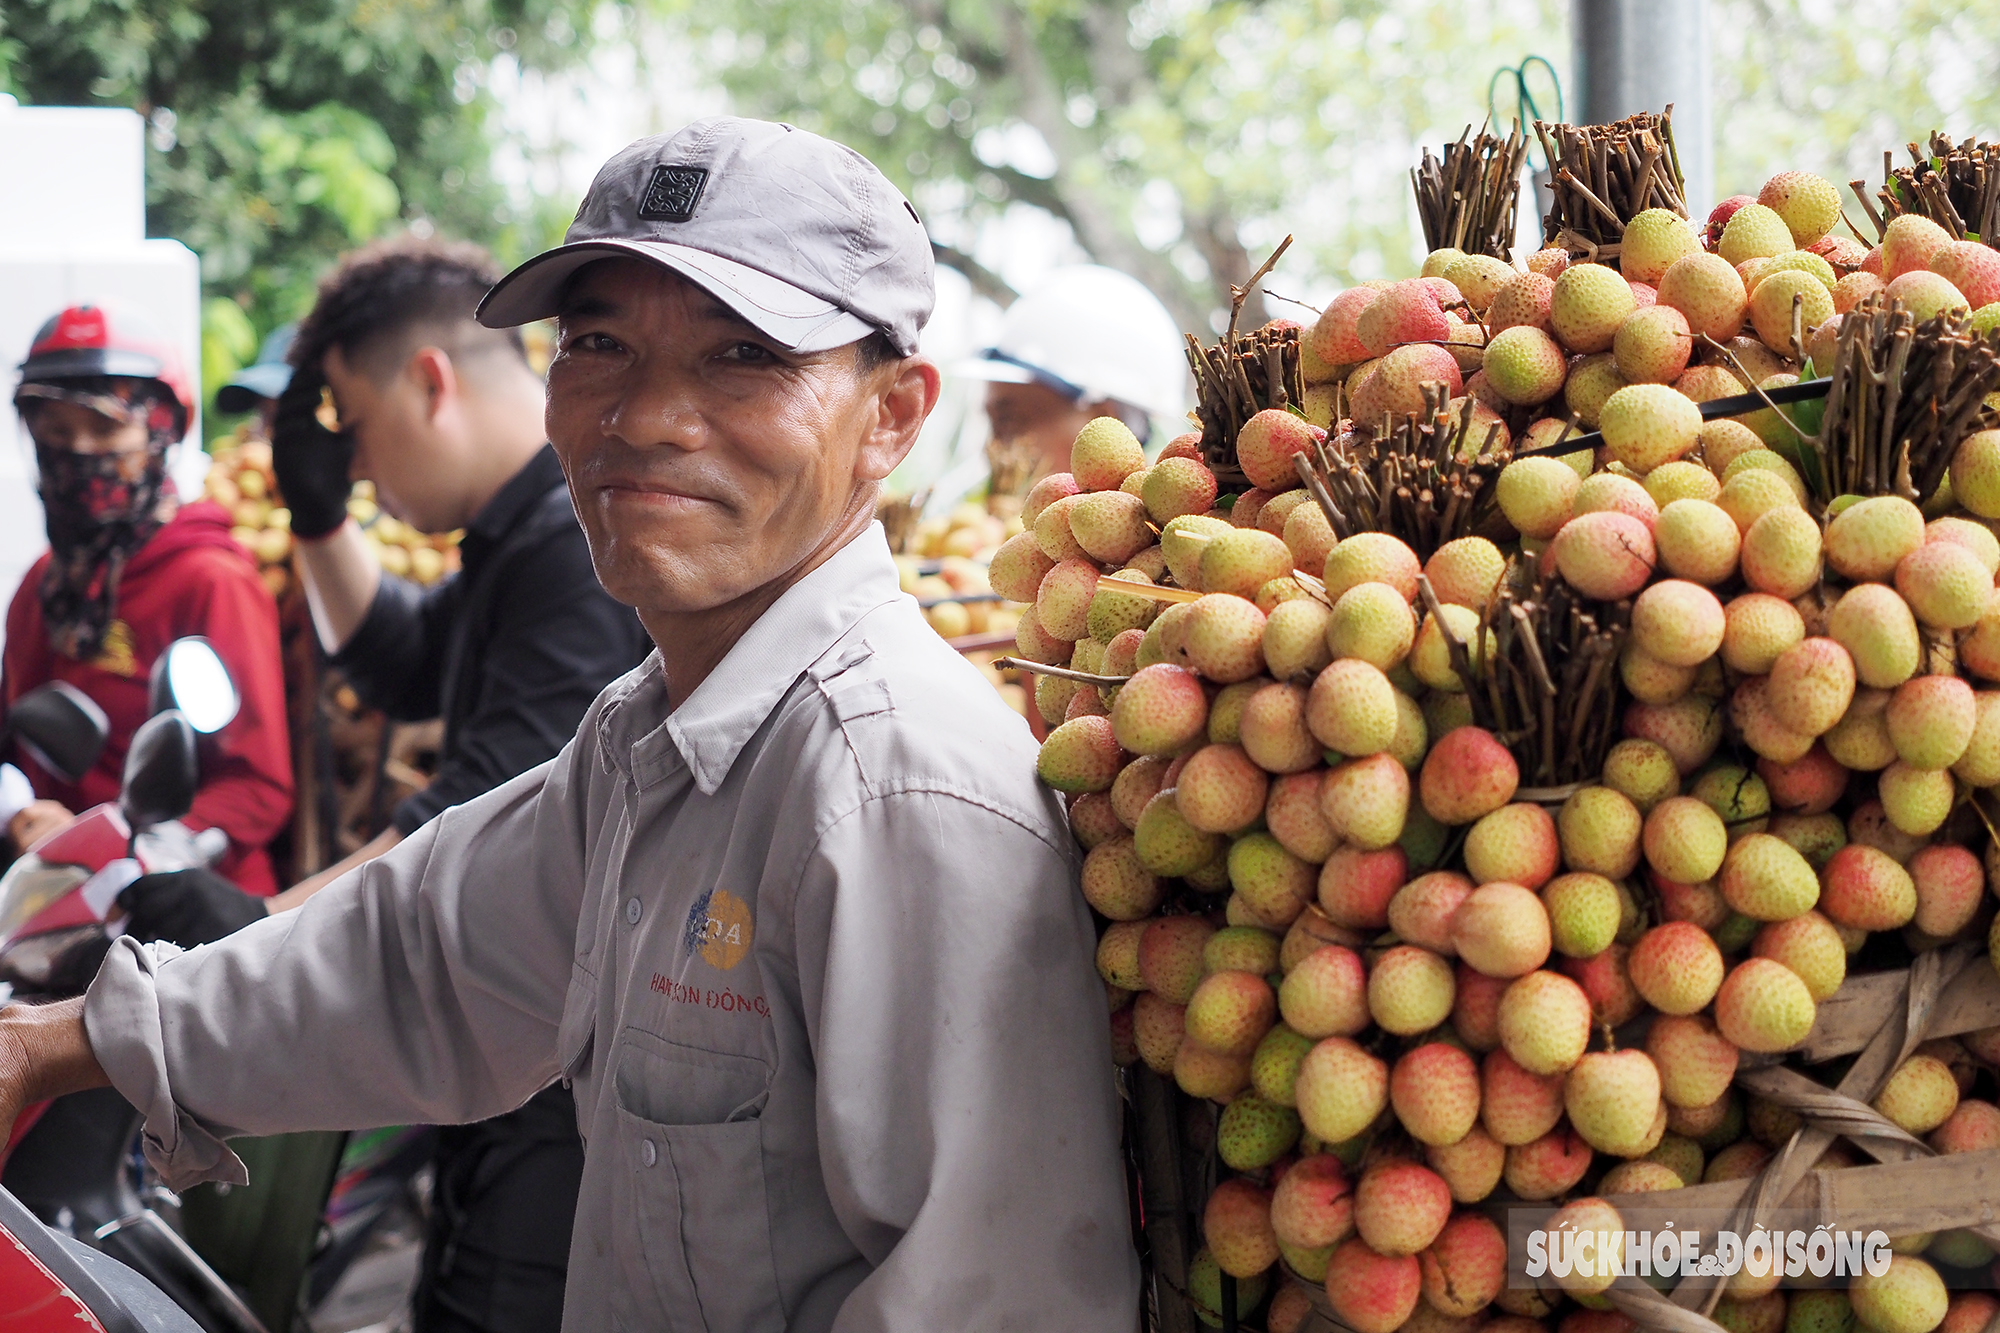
(1639, 55)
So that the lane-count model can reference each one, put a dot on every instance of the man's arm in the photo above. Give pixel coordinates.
(554, 641)
(341, 576)
(955, 1004)
(425, 987)
(44, 1052)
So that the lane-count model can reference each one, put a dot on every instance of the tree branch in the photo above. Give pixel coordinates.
(984, 280)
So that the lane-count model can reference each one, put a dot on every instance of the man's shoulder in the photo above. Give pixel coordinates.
(913, 716)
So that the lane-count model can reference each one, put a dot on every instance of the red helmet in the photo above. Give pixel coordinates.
(100, 339)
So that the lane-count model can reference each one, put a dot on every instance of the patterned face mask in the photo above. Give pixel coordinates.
(101, 508)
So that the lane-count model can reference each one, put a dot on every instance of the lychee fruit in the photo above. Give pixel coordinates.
(1706, 289)
(1410, 990)
(1926, 295)
(1325, 994)
(1435, 1092)
(1352, 708)
(1613, 1098)
(1545, 1022)
(1372, 622)
(1502, 930)
(1465, 1267)
(1365, 801)
(1865, 888)
(1652, 345)
(1421, 911)
(1588, 304)
(1468, 773)
(1266, 443)
(1910, 1297)
(1766, 880)
(1599, 828)
(1653, 240)
(1118, 883)
(1772, 303)
(1676, 967)
(1754, 231)
(1166, 844)
(1371, 1292)
(1605, 555)
(1221, 790)
(1810, 946)
(1175, 487)
(1930, 720)
(1355, 886)
(1550, 1166)
(1811, 685)
(1763, 1007)
(1878, 631)
(1808, 204)
(1340, 1090)
(1695, 1062)
(1950, 884)
(1521, 302)
(1406, 312)
(1535, 495)
(1685, 840)
(1273, 731)
(1372, 557)
(1524, 365)
(1243, 560)
(1946, 584)
(1160, 710)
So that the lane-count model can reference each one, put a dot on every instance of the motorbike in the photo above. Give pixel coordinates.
(52, 1283)
(72, 1164)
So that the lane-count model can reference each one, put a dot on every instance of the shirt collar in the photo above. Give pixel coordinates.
(711, 728)
(511, 502)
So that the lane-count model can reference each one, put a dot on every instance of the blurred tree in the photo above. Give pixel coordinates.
(283, 134)
(1797, 89)
(1179, 141)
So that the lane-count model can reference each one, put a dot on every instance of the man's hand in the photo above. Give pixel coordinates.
(189, 907)
(311, 462)
(36, 822)
(44, 1052)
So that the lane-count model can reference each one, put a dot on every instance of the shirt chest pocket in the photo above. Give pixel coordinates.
(691, 1225)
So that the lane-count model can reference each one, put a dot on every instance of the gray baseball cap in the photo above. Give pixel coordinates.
(799, 235)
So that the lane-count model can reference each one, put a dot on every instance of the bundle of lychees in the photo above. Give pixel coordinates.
(1375, 931)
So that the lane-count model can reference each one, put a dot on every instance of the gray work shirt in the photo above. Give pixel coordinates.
(810, 947)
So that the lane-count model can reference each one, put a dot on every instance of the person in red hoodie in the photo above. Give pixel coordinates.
(130, 569)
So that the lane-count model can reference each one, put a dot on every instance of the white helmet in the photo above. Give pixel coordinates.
(1091, 333)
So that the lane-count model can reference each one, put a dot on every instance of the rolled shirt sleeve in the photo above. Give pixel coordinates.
(967, 1119)
(427, 984)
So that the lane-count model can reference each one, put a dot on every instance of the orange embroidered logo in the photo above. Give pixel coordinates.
(720, 929)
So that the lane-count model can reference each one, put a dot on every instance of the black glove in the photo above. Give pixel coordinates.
(189, 907)
(310, 461)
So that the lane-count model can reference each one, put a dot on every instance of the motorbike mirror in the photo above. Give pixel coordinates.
(190, 676)
(160, 772)
(61, 727)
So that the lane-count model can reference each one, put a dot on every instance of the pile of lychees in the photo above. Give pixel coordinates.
(1329, 904)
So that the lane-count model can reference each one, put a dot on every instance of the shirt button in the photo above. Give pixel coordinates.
(632, 919)
(648, 1153)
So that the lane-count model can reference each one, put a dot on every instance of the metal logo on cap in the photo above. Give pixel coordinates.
(672, 193)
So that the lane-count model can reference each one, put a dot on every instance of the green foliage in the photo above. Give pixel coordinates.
(1798, 89)
(284, 134)
(228, 341)
(1186, 139)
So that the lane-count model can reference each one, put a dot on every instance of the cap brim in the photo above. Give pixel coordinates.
(991, 371)
(791, 317)
(252, 385)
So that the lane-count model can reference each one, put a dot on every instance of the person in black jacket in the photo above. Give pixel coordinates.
(396, 383)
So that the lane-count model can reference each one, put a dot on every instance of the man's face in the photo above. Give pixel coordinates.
(397, 444)
(1037, 417)
(706, 462)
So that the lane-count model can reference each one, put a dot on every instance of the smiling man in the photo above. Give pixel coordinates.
(790, 912)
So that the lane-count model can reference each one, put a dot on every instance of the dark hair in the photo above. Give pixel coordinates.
(401, 286)
(874, 352)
